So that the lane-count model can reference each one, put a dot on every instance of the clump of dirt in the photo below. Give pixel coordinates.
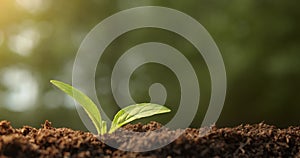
(258, 140)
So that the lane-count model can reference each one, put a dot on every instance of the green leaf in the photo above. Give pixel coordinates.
(88, 105)
(134, 112)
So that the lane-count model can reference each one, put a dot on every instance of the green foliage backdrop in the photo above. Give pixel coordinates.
(259, 41)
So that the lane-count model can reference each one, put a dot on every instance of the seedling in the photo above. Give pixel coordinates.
(124, 116)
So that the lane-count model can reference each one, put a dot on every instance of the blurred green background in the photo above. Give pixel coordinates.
(259, 41)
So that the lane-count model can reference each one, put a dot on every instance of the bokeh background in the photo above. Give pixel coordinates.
(259, 41)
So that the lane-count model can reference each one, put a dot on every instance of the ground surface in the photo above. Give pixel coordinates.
(258, 140)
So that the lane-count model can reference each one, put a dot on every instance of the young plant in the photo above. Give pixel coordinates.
(124, 116)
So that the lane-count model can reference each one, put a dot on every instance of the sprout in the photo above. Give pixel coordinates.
(124, 116)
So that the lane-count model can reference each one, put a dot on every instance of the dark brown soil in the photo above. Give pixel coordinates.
(258, 140)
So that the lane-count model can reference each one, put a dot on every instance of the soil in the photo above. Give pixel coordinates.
(257, 140)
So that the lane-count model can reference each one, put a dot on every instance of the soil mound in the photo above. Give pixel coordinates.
(257, 140)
